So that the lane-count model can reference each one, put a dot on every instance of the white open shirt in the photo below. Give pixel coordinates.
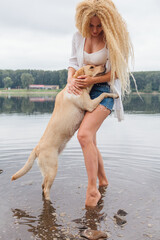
(76, 62)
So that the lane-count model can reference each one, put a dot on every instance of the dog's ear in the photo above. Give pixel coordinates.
(79, 72)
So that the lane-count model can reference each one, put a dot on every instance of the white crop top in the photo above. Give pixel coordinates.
(97, 58)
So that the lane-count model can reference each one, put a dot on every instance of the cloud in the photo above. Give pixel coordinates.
(34, 50)
(38, 15)
(143, 23)
(37, 34)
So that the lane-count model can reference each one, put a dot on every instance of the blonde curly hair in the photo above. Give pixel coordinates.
(115, 34)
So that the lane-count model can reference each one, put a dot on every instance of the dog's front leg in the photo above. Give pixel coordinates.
(89, 104)
(48, 163)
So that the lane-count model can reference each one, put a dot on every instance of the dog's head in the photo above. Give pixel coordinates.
(90, 70)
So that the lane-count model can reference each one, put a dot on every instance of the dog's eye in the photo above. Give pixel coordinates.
(91, 67)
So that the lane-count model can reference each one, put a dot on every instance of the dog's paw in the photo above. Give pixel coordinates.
(115, 95)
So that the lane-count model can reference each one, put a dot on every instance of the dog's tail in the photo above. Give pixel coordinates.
(26, 167)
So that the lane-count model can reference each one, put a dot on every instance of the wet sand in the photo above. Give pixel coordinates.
(131, 156)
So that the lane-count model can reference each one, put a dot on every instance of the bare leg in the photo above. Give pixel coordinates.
(101, 172)
(88, 128)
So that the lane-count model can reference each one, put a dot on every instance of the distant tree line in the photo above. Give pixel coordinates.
(146, 81)
(22, 78)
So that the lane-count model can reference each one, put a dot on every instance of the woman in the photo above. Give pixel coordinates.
(102, 39)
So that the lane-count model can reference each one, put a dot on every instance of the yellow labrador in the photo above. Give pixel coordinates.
(65, 120)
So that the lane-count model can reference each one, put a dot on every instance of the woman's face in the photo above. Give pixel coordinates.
(95, 26)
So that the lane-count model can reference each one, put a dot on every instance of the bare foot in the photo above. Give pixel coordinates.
(92, 198)
(103, 183)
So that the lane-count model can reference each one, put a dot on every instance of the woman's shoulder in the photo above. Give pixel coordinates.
(77, 36)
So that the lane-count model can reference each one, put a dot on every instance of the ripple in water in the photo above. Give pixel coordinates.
(131, 156)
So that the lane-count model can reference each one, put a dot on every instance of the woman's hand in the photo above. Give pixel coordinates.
(73, 86)
(84, 81)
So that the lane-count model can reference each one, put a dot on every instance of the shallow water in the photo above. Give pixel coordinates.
(131, 153)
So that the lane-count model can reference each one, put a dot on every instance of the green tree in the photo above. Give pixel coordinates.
(140, 80)
(7, 82)
(26, 79)
(153, 77)
(148, 87)
(62, 78)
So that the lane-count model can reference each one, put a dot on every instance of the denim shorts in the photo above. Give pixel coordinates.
(98, 89)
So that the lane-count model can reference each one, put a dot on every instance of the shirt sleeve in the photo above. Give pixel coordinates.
(73, 58)
(108, 63)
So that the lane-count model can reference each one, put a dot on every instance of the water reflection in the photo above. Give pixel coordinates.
(29, 105)
(48, 225)
(44, 226)
(26, 105)
(150, 103)
(93, 216)
(130, 149)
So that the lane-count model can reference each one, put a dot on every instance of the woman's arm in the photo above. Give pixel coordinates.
(84, 80)
(100, 79)
(71, 72)
(72, 85)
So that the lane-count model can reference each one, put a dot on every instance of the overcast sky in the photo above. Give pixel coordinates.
(37, 34)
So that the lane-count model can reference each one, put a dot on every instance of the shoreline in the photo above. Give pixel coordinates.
(145, 93)
(23, 92)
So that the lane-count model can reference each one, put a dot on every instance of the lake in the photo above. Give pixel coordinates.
(131, 154)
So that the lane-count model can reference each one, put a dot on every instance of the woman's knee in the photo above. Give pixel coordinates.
(84, 137)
